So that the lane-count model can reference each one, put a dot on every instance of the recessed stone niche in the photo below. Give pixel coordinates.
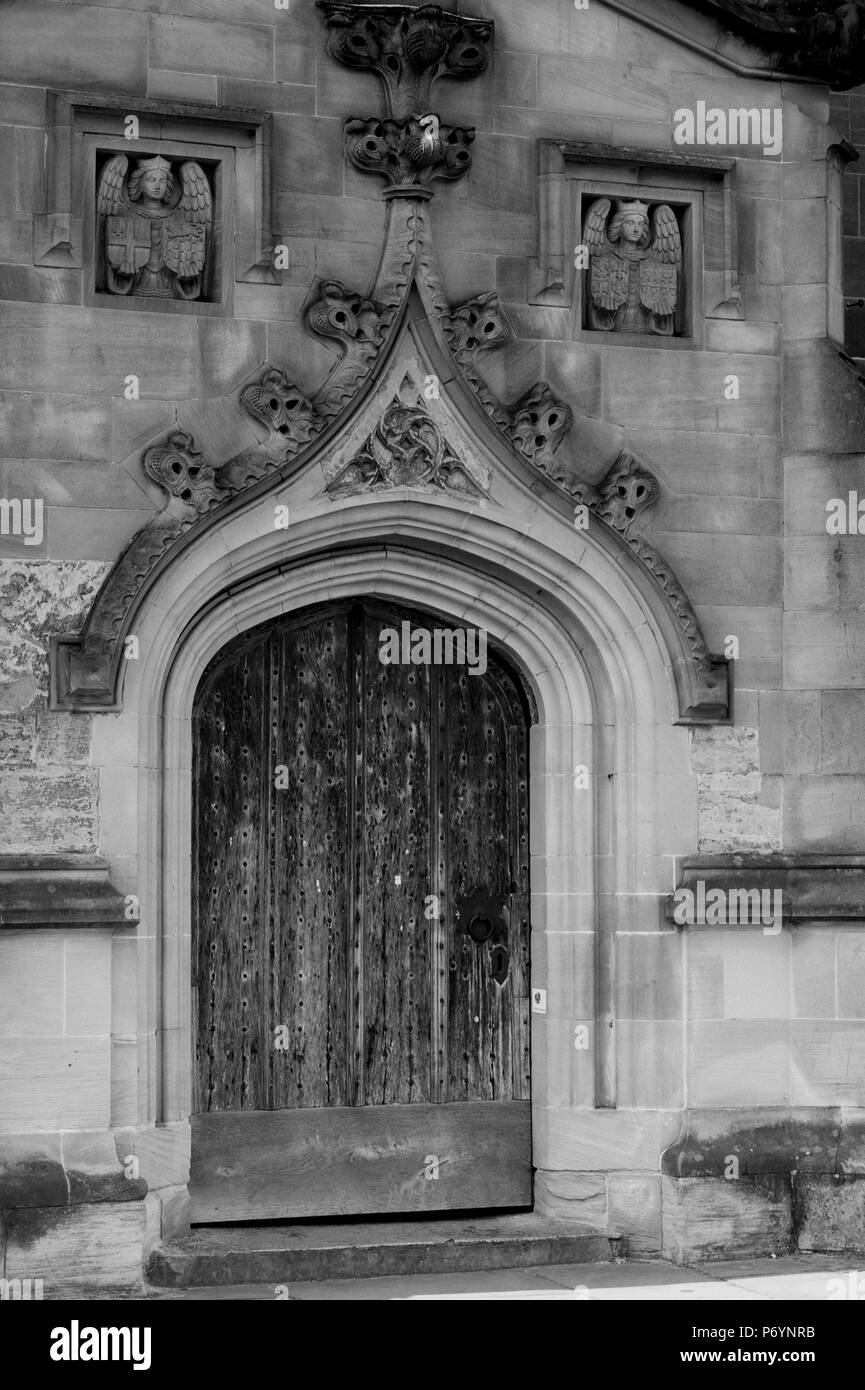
(659, 232)
(165, 205)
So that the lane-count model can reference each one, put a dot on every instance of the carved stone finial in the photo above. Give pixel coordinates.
(178, 467)
(340, 313)
(277, 403)
(627, 490)
(539, 422)
(410, 154)
(406, 449)
(409, 47)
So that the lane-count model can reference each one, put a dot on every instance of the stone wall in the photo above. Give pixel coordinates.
(848, 114)
(711, 1020)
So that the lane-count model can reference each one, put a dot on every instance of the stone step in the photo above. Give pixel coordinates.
(277, 1254)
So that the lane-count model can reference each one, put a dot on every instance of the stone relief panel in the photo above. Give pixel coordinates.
(634, 281)
(154, 233)
(406, 449)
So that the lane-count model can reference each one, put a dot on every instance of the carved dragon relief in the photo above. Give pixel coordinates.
(405, 449)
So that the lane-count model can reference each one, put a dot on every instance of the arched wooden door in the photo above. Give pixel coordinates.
(360, 936)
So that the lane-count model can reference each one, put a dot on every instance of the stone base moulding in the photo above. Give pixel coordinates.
(769, 1182)
(814, 888)
(61, 891)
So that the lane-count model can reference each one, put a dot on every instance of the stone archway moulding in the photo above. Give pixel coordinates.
(599, 677)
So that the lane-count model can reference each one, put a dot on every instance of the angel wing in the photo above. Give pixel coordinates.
(196, 202)
(187, 230)
(666, 238)
(595, 228)
(659, 273)
(111, 196)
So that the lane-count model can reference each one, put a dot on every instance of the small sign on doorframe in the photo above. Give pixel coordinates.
(539, 1001)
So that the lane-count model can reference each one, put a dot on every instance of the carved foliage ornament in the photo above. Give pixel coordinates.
(409, 48)
(627, 490)
(411, 152)
(635, 266)
(539, 422)
(339, 313)
(178, 467)
(477, 326)
(279, 405)
(358, 325)
(407, 449)
(154, 228)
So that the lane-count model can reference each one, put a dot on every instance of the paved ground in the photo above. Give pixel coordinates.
(809, 1278)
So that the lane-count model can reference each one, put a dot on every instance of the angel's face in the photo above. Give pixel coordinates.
(155, 183)
(634, 227)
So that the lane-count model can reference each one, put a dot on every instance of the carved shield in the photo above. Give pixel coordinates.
(127, 243)
(610, 280)
(658, 287)
(184, 245)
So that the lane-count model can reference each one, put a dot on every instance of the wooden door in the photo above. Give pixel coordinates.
(360, 937)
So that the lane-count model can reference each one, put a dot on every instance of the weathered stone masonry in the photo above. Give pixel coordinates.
(446, 251)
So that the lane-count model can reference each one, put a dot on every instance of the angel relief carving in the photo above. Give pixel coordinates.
(155, 228)
(635, 268)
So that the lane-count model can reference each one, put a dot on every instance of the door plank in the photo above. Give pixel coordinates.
(396, 963)
(438, 906)
(481, 1010)
(344, 1160)
(231, 955)
(311, 869)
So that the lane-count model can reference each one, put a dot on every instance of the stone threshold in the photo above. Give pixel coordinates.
(276, 1254)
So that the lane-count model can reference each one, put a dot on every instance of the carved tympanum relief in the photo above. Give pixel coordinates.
(154, 228)
(406, 449)
(634, 284)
